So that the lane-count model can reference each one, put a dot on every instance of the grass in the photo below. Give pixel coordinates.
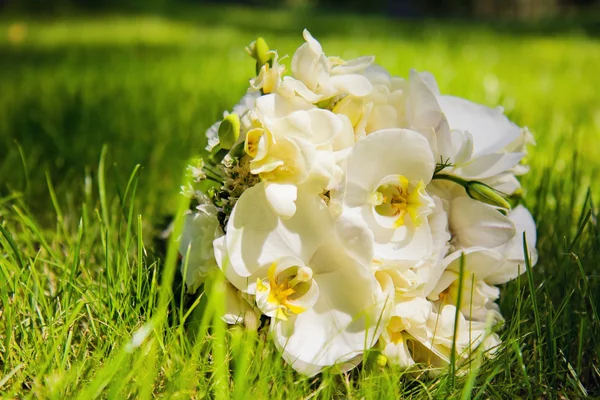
(98, 115)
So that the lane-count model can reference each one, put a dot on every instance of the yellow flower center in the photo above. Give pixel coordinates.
(252, 140)
(446, 296)
(285, 287)
(398, 200)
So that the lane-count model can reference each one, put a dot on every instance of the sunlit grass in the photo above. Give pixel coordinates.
(80, 273)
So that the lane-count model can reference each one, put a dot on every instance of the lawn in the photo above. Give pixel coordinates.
(98, 116)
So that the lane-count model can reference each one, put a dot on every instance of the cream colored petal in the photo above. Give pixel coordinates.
(387, 152)
(309, 64)
(490, 128)
(489, 165)
(474, 223)
(282, 198)
(256, 236)
(513, 250)
(352, 84)
(344, 322)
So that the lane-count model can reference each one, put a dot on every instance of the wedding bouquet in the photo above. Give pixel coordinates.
(351, 210)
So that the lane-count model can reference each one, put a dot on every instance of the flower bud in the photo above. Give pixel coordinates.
(259, 50)
(482, 192)
(229, 131)
(381, 360)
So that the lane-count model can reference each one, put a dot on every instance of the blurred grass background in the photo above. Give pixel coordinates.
(148, 84)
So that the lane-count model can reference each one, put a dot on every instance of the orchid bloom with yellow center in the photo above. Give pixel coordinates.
(387, 175)
(288, 289)
(477, 299)
(257, 143)
(324, 302)
(399, 199)
(294, 149)
(316, 77)
(403, 330)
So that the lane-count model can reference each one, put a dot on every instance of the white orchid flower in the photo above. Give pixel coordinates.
(382, 108)
(324, 304)
(493, 248)
(316, 77)
(409, 320)
(200, 229)
(472, 137)
(507, 182)
(491, 132)
(419, 281)
(293, 150)
(477, 297)
(436, 349)
(408, 288)
(417, 333)
(387, 174)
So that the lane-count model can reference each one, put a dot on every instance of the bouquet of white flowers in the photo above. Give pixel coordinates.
(357, 210)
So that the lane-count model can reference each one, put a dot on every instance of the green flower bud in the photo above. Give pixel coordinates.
(482, 192)
(262, 51)
(381, 360)
(229, 131)
(259, 50)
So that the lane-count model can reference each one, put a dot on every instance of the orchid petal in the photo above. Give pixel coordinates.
(396, 151)
(298, 87)
(426, 116)
(352, 84)
(488, 165)
(515, 259)
(309, 64)
(356, 236)
(282, 198)
(477, 224)
(490, 128)
(344, 319)
(274, 105)
(256, 236)
(351, 66)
